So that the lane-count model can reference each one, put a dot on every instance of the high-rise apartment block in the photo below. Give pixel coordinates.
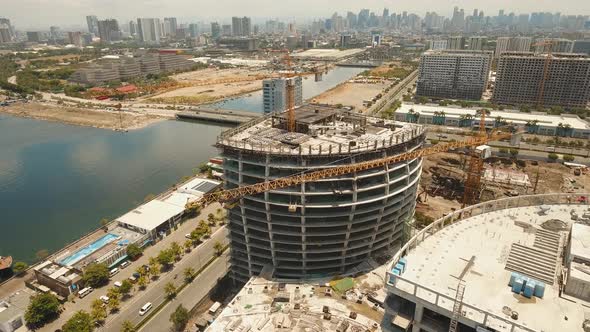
(34, 36)
(454, 74)
(170, 26)
(6, 33)
(519, 79)
(477, 43)
(108, 30)
(215, 30)
(274, 93)
(581, 46)
(75, 38)
(149, 30)
(438, 44)
(241, 26)
(456, 43)
(557, 45)
(512, 44)
(92, 22)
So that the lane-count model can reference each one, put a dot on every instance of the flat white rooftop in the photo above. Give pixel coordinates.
(151, 215)
(488, 238)
(516, 117)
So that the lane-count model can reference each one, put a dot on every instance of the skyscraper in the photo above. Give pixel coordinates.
(215, 30)
(170, 26)
(92, 22)
(148, 30)
(193, 30)
(246, 26)
(274, 93)
(108, 30)
(236, 26)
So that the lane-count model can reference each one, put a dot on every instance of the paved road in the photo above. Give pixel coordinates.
(394, 94)
(200, 254)
(155, 290)
(190, 296)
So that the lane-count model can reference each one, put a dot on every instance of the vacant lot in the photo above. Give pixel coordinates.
(81, 117)
(351, 94)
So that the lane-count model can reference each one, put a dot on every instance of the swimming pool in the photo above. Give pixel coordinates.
(89, 249)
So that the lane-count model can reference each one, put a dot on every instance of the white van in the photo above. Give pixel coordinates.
(104, 299)
(85, 291)
(114, 271)
(146, 307)
(124, 264)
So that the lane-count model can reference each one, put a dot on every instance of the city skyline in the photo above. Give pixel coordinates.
(305, 10)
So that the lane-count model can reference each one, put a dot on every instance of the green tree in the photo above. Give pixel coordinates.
(81, 321)
(114, 304)
(125, 288)
(98, 311)
(42, 309)
(218, 246)
(179, 318)
(113, 293)
(553, 156)
(568, 158)
(133, 251)
(513, 152)
(188, 245)
(19, 268)
(211, 219)
(128, 327)
(166, 258)
(503, 150)
(104, 222)
(170, 290)
(189, 274)
(142, 282)
(96, 275)
(176, 250)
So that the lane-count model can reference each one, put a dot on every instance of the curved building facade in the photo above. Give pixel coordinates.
(328, 226)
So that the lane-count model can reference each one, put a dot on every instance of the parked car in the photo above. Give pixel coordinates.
(124, 264)
(118, 284)
(105, 299)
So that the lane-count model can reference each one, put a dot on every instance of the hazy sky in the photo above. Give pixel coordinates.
(40, 14)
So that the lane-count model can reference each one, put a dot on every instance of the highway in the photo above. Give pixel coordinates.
(130, 307)
(190, 296)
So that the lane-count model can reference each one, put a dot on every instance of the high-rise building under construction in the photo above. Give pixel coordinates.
(329, 225)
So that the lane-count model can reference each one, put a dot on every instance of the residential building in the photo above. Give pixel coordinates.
(520, 77)
(75, 38)
(558, 45)
(5, 36)
(34, 36)
(453, 74)
(274, 93)
(456, 43)
(501, 263)
(477, 43)
(236, 26)
(170, 26)
(171, 62)
(246, 26)
(149, 30)
(241, 43)
(347, 220)
(226, 30)
(581, 46)
(132, 28)
(438, 44)
(92, 22)
(12, 310)
(512, 44)
(108, 31)
(5, 23)
(193, 30)
(215, 30)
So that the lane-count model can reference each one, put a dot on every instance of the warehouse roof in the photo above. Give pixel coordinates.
(516, 117)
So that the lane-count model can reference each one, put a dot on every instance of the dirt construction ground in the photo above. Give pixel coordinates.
(351, 94)
(446, 195)
(80, 117)
(207, 93)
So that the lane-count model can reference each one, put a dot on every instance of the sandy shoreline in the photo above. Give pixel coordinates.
(80, 116)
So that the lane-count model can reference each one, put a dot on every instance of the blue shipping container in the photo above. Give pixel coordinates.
(529, 289)
(400, 267)
(513, 276)
(539, 289)
(517, 285)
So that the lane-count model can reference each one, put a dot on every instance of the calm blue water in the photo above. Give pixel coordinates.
(89, 249)
(58, 181)
(311, 88)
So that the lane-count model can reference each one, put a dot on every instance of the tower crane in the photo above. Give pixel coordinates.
(229, 195)
(548, 45)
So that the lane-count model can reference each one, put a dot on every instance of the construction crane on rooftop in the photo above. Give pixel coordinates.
(230, 195)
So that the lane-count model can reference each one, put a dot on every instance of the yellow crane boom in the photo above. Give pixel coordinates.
(236, 193)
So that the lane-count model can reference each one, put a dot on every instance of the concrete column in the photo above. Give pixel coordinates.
(418, 313)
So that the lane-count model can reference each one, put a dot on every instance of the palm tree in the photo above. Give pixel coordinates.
(170, 290)
(218, 246)
(176, 250)
(189, 274)
(188, 245)
(128, 327)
